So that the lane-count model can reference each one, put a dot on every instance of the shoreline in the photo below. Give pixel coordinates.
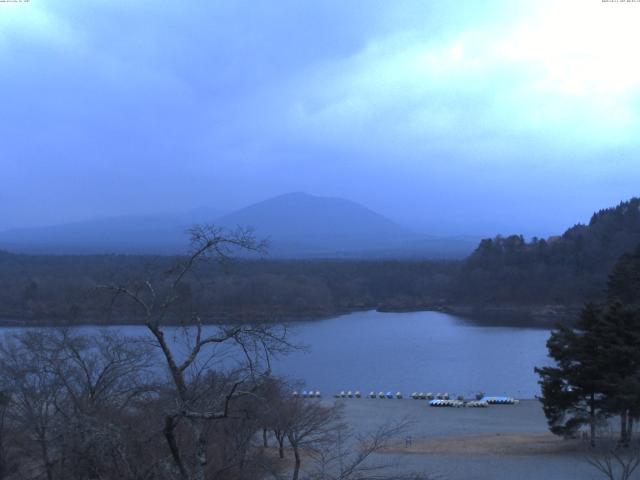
(532, 316)
(510, 444)
(501, 442)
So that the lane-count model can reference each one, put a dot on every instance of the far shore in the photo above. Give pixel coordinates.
(527, 316)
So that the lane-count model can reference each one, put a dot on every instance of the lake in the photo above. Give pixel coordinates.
(407, 352)
(416, 351)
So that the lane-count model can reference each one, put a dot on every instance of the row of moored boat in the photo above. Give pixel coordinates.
(435, 399)
(307, 394)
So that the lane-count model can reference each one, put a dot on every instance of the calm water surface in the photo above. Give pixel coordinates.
(416, 351)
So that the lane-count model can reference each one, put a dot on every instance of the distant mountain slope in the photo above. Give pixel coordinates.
(299, 224)
(158, 234)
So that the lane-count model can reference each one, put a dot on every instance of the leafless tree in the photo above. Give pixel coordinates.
(309, 426)
(8, 460)
(275, 395)
(615, 462)
(103, 377)
(103, 371)
(194, 402)
(350, 456)
(75, 394)
(34, 393)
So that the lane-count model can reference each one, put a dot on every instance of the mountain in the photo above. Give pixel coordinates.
(297, 225)
(301, 224)
(133, 234)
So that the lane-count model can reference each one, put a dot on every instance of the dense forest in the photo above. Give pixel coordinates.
(65, 288)
(562, 270)
(504, 274)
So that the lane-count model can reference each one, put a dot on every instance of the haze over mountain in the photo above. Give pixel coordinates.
(296, 225)
(133, 234)
(299, 223)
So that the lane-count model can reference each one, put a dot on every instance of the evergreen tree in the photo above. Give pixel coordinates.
(597, 372)
(620, 351)
(572, 391)
(624, 281)
(622, 319)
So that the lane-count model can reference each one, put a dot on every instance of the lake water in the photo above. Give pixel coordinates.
(416, 351)
(407, 352)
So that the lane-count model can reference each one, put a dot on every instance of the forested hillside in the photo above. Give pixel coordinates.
(560, 270)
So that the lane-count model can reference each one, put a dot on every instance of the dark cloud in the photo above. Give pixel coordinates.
(444, 116)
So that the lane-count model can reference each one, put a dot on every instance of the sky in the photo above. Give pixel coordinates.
(451, 117)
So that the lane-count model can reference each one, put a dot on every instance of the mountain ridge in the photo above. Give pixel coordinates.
(298, 224)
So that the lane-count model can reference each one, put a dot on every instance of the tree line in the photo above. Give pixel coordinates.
(63, 289)
(503, 272)
(569, 269)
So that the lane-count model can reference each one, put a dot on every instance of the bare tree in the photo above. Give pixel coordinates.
(615, 463)
(350, 456)
(194, 401)
(74, 393)
(103, 376)
(102, 371)
(309, 425)
(275, 395)
(8, 460)
(33, 391)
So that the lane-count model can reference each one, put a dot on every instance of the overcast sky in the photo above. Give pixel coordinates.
(451, 116)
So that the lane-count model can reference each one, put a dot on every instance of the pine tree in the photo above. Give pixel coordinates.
(622, 319)
(597, 372)
(620, 340)
(572, 391)
(624, 281)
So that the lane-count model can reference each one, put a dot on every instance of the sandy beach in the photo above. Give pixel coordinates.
(498, 442)
(492, 444)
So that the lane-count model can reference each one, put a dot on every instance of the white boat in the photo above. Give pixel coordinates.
(446, 403)
(500, 400)
(477, 404)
